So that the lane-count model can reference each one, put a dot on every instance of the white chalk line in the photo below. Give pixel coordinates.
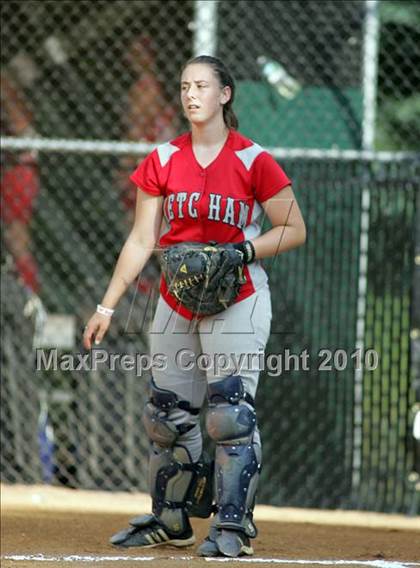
(90, 558)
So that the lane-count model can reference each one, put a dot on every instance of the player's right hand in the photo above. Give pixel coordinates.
(95, 329)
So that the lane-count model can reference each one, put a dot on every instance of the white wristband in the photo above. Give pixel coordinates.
(104, 311)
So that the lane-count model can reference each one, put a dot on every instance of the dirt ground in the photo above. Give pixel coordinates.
(35, 525)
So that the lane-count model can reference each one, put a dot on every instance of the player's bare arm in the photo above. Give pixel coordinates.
(288, 227)
(135, 253)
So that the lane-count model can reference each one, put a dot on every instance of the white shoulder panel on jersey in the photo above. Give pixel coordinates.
(248, 155)
(165, 152)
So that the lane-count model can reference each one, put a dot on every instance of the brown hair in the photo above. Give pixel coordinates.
(225, 80)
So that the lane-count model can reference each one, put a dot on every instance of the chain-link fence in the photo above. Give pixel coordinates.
(337, 78)
(310, 74)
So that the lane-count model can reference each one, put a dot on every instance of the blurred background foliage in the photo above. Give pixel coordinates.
(398, 77)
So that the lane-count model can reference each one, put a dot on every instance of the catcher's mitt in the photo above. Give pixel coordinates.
(204, 277)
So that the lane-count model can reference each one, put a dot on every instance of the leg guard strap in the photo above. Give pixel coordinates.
(230, 389)
(166, 400)
(178, 484)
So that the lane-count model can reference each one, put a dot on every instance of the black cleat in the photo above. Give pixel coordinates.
(148, 531)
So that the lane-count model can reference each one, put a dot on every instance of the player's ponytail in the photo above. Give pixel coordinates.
(226, 80)
(229, 116)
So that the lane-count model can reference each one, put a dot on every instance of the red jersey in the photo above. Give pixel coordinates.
(218, 203)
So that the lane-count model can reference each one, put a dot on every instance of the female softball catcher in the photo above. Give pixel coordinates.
(200, 199)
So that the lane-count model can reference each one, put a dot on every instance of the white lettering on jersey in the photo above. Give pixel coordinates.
(243, 214)
(214, 206)
(171, 215)
(165, 152)
(248, 155)
(230, 211)
(181, 197)
(195, 196)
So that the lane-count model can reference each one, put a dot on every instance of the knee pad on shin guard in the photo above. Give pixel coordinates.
(231, 423)
(175, 481)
